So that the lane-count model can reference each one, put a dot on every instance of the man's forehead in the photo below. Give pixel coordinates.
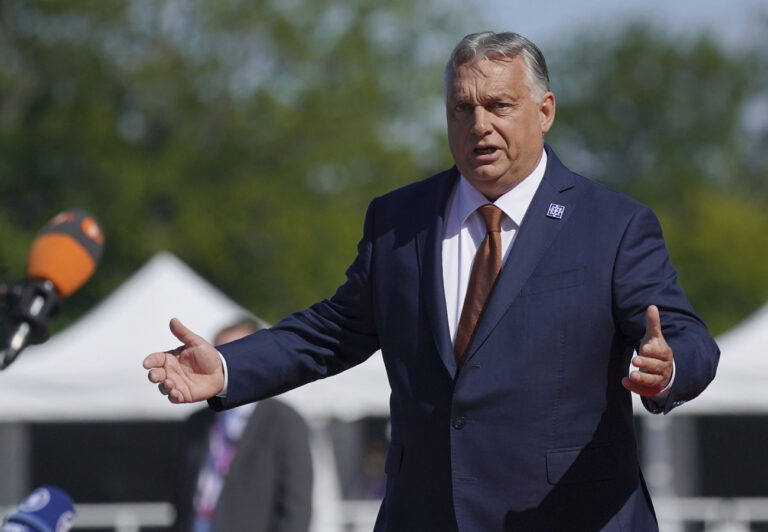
(481, 62)
(495, 74)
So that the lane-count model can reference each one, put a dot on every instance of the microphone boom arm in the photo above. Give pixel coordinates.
(30, 304)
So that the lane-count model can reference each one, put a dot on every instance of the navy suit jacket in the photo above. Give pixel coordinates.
(535, 432)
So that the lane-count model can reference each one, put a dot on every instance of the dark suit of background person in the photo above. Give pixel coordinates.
(269, 484)
(534, 432)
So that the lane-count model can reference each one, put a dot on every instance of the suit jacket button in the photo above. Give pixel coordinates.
(459, 422)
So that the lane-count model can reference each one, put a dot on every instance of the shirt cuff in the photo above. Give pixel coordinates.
(223, 392)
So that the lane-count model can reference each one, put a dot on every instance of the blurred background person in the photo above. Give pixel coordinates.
(246, 469)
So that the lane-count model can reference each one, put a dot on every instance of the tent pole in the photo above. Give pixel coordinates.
(15, 451)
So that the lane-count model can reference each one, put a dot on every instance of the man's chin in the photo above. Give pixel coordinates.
(487, 185)
(482, 177)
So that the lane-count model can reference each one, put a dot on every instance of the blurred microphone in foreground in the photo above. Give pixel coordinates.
(63, 256)
(47, 509)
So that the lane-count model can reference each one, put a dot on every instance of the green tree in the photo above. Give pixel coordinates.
(244, 136)
(717, 242)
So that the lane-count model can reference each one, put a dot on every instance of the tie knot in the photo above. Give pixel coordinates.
(492, 216)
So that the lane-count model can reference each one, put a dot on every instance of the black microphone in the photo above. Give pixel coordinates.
(47, 509)
(62, 257)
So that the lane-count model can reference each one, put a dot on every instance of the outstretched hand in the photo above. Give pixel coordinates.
(191, 372)
(654, 360)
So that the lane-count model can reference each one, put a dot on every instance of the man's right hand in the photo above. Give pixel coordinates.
(191, 372)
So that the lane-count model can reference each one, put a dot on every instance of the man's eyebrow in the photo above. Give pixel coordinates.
(495, 97)
(498, 97)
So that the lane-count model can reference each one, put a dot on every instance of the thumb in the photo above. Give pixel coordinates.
(180, 331)
(652, 322)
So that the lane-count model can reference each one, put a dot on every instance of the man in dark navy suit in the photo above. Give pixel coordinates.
(507, 295)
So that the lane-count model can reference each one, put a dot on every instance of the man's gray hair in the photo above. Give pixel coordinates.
(490, 45)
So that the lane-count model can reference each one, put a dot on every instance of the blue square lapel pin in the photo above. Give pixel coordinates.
(555, 211)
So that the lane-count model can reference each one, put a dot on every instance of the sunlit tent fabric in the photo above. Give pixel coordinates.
(92, 369)
(740, 384)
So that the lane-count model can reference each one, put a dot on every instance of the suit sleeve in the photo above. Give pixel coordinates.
(323, 340)
(644, 276)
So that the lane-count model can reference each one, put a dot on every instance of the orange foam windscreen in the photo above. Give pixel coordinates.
(66, 251)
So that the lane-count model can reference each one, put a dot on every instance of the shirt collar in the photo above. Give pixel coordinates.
(513, 203)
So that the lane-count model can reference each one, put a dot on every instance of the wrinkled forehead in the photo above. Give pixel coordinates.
(479, 57)
(482, 65)
(496, 75)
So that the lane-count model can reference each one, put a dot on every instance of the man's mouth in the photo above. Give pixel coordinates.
(485, 151)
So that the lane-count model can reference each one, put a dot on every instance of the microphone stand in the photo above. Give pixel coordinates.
(30, 304)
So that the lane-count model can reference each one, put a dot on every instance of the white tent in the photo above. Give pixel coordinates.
(92, 369)
(740, 384)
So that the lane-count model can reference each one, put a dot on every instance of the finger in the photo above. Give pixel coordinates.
(644, 379)
(658, 350)
(166, 387)
(155, 360)
(653, 322)
(181, 332)
(176, 397)
(648, 391)
(157, 375)
(651, 364)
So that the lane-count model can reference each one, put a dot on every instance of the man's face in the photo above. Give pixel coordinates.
(495, 128)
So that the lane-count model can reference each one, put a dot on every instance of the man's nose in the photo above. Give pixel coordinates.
(481, 121)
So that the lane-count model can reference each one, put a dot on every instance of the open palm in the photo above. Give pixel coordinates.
(191, 372)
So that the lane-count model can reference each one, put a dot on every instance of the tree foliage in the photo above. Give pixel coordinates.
(246, 137)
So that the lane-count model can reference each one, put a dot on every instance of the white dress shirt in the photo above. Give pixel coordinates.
(464, 230)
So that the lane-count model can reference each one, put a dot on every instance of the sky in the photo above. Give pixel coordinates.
(546, 21)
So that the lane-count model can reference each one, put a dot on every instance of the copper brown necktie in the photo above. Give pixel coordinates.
(485, 269)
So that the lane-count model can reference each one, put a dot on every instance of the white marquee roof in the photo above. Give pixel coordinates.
(740, 384)
(92, 369)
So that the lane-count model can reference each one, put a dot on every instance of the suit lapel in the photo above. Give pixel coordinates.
(429, 255)
(536, 234)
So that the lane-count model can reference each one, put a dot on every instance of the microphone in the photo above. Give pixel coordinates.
(61, 259)
(47, 509)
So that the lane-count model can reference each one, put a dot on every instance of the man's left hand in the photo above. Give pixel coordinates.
(654, 359)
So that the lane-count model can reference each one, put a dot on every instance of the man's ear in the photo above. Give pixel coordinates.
(547, 111)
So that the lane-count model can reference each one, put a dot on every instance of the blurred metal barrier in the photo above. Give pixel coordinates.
(125, 517)
(122, 517)
(359, 516)
(717, 514)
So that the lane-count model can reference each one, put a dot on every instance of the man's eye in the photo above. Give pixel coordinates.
(460, 107)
